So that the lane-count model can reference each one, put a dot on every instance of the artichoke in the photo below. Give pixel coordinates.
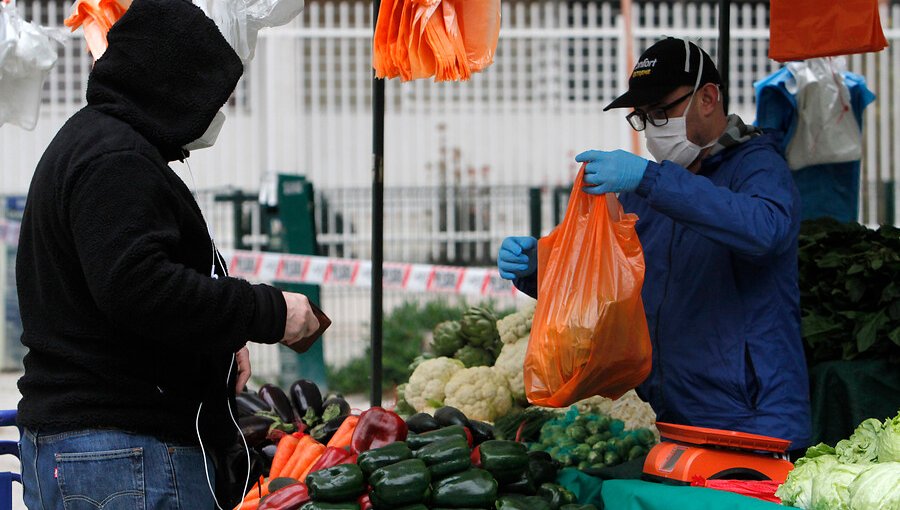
(447, 339)
(479, 328)
(474, 357)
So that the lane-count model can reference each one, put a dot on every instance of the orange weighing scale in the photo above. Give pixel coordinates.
(685, 452)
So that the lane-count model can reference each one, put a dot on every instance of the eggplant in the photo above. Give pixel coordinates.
(305, 395)
(447, 416)
(422, 422)
(255, 429)
(324, 432)
(338, 401)
(278, 401)
(267, 453)
(249, 404)
(481, 431)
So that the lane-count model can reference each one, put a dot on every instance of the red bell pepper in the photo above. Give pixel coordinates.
(291, 497)
(377, 427)
(333, 457)
(364, 502)
(476, 456)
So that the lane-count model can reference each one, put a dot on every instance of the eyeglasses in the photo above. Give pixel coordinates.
(657, 116)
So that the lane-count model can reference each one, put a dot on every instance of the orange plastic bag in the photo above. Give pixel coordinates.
(96, 17)
(804, 29)
(589, 335)
(446, 39)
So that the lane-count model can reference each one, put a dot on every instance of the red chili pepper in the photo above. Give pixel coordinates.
(331, 457)
(291, 497)
(476, 456)
(364, 502)
(377, 427)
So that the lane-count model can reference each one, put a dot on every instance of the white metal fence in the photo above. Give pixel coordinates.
(304, 105)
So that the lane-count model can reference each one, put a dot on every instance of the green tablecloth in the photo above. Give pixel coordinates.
(844, 393)
(639, 495)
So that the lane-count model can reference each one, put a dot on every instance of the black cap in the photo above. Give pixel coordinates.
(662, 68)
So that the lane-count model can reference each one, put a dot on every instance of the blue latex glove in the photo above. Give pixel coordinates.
(611, 172)
(517, 258)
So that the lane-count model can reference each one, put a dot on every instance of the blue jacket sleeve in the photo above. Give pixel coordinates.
(752, 217)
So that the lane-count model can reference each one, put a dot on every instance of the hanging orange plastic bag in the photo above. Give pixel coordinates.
(804, 29)
(589, 335)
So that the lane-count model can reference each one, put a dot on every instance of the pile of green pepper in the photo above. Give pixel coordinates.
(439, 469)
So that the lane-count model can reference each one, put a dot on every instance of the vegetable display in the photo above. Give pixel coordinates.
(386, 464)
(859, 473)
(849, 292)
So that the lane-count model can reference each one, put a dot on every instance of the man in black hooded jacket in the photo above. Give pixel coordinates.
(131, 323)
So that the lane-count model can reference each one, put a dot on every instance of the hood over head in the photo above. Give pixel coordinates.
(166, 72)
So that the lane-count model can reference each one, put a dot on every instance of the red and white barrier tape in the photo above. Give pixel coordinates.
(397, 276)
(426, 278)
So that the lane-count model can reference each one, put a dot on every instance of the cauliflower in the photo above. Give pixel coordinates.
(425, 389)
(480, 393)
(516, 326)
(510, 364)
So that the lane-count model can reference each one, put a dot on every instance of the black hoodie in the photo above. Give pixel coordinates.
(125, 326)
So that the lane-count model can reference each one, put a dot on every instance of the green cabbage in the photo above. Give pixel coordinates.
(877, 488)
(860, 448)
(797, 489)
(887, 445)
(831, 487)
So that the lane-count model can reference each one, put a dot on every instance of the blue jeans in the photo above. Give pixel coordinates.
(112, 470)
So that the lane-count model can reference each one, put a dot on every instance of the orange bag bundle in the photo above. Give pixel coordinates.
(804, 29)
(447, 39)
(96, 17)
(589, 334)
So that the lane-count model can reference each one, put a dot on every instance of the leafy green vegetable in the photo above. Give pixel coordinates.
(877, 488)
(860, 447)
(797, 489)
(849, 293)
(841, 478)
(887, 446)
(831, 488)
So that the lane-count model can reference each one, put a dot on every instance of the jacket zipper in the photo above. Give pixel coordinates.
(659, 365)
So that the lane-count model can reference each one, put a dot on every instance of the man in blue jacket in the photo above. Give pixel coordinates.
(718, 220)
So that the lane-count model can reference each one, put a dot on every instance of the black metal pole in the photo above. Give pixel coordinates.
(724, 47)
(377, 224)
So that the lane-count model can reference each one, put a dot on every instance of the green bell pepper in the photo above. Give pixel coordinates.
(418, 441)
(445, 457)
(417, 506)
(471, 488)
(576, 506)
(404, 483)
(393, 453)
(336, 484)
(520, 502)
(556, 495)
(505, 460)
(319, 505)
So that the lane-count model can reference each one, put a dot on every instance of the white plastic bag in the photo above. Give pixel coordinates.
(241, 20)
(827, 131)
(27, 54)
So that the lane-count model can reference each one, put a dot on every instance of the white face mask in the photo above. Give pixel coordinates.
(208, 138)
(670, 142)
